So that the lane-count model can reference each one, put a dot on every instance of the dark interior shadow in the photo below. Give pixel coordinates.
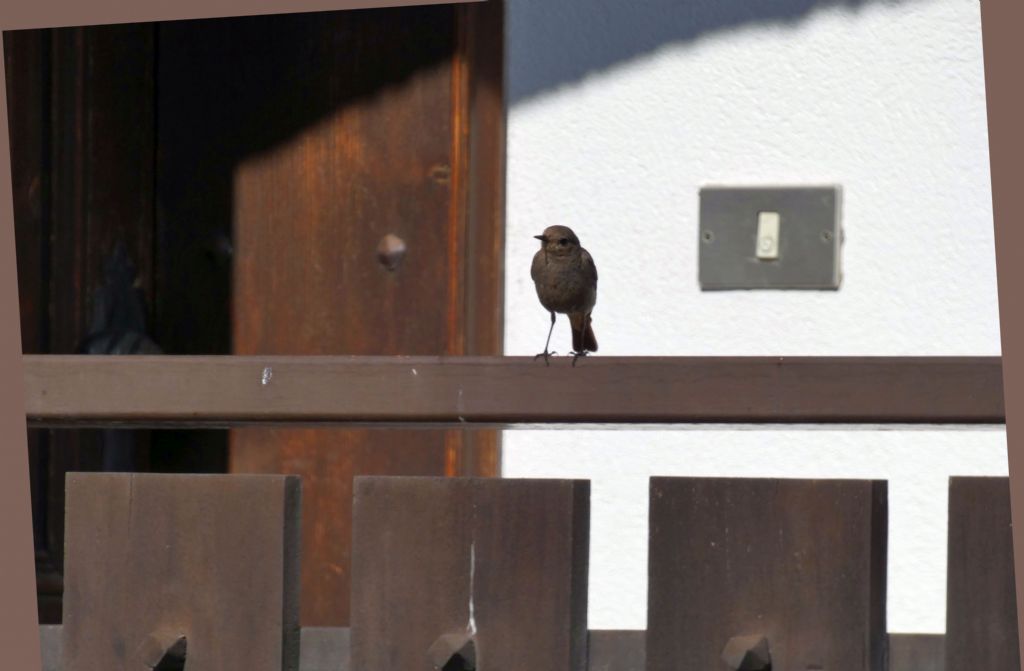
(556, 43)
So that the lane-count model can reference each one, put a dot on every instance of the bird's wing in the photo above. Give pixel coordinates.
(587, 263)
(538, 264)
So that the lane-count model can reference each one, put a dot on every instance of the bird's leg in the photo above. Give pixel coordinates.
(577, 355)
(547, 343)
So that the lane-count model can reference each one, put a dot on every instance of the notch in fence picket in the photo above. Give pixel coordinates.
(981, 606)
(163, 571)
(492, 568)
(800, 563)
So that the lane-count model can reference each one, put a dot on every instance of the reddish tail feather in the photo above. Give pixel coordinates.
(588, 342)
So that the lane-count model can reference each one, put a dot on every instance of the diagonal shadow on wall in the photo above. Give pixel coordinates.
(555, 43)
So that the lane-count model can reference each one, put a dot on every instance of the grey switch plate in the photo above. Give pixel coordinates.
(805, 255)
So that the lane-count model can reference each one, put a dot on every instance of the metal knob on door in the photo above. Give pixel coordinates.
(391, 251)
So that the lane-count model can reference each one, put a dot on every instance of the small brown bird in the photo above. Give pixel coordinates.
(566, 280)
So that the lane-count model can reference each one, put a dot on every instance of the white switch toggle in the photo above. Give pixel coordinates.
(768, 235)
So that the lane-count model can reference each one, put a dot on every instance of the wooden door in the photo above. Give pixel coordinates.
(317, 136)
(255, 165)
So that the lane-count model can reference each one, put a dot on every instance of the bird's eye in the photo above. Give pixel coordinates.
(563, 241)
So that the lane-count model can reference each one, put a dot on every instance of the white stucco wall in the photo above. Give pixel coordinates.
(621, 111)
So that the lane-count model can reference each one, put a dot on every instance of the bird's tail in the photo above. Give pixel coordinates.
(582, 334)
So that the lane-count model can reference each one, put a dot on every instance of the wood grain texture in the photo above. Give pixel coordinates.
(616, 650)
(504, 560)
(917, 652)
(801, 562)
(491, 391)
(306, 140)
(27, 63)
(328, 649)
(103, 148)
(210, 557)
(481, 144)
(981, 607)
(82, 150)
(268, 153)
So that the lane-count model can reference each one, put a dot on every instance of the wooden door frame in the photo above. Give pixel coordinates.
(479, 144)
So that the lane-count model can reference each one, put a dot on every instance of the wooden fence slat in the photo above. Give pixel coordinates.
(616, 650)
(494, 568)
(501, 391)
(799, 562)
(917, 652)
(153, 557)
(981, 606)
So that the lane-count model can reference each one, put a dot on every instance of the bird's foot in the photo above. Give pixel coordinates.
(577, 355)
(546, 355)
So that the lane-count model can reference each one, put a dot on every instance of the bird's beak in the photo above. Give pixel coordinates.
(539, 237)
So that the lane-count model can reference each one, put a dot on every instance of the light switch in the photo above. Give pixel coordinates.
(770, 237)
(767, 235)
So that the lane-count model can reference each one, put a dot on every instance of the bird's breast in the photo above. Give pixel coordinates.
(564, 288)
